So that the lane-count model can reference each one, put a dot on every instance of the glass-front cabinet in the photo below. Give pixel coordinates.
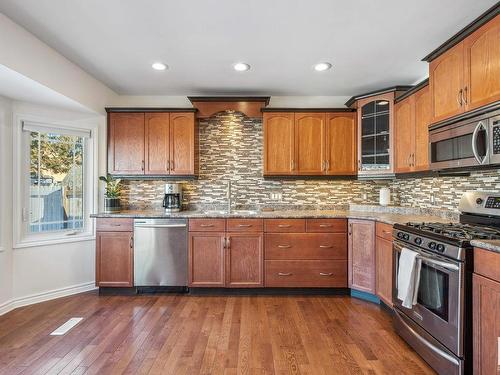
(375, 134)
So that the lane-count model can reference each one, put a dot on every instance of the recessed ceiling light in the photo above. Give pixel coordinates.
(321, 67)
(241, 67)
(159, 66)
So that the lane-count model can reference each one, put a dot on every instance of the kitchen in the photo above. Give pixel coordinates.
(164, 220)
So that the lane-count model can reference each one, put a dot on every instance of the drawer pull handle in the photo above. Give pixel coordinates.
(245, 225)
(206, 225)
(386, 232)
(325, 274)
(325, 246)
(284, 274)
(284, 246)
(115, 225)
(325, 225)
(284, 225)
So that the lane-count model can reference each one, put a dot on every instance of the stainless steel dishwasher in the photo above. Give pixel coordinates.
(160, 252)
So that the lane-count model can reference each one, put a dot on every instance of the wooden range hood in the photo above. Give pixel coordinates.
(207, 106)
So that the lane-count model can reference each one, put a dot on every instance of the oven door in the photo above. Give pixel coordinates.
(438, 310)
(459, 145)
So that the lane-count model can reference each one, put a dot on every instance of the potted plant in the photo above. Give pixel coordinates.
(112, 195)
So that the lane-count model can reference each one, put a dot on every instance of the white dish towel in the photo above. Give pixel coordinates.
(408, 277)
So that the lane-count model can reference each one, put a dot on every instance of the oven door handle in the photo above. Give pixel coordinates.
(435, 349)
(478, 127)
(447, 265)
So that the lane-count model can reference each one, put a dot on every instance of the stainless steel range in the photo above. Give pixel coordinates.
(439, 325)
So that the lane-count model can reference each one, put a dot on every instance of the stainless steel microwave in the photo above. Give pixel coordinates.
(467, 143)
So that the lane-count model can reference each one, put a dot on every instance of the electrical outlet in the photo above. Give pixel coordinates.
(276, 196)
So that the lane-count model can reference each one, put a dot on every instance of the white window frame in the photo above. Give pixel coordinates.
(21, 185)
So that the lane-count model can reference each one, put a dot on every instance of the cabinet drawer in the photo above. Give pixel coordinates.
(326, 225)
(245, 225)
(384, 231)
(285, 225)
(306, 246)
(306, 273)
(487, 263)
(114, 225)
(207, 225)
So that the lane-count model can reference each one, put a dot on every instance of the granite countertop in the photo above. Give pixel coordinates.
(384, 217)
(492, 245)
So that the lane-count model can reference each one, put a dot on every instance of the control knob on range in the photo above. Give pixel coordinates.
(406, 237)
(418, 240)
(440, 248)
(400, 235)
(432, 245)
(479, 201)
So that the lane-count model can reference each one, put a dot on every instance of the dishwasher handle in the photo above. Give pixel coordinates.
(160, 225)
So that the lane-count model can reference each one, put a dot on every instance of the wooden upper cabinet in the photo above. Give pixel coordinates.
(482, 65)
(422, 119)
(361, 259)
(403, 134)
(446, 77)
(157, 143)
(279, 143)
(126, 144)
(182, 144)
(340, 144)
(309, 145)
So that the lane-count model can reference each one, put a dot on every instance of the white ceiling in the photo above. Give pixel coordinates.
(371, 44)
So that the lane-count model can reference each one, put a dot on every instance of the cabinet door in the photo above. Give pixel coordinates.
(114, 259)
(421, 128)
(309, 143)
(279, 143)
(446, 77)
(404, 133)
(482, 65)
(126, 143)
(182, 139)
(340, 144)
(384, 270)
(486, 325)
(361, 258)
(206, 259)
(244, 260)
(157, 143)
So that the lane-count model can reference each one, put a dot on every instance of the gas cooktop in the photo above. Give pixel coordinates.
(457, 231)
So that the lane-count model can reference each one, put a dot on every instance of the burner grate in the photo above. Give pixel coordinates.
(459, 231)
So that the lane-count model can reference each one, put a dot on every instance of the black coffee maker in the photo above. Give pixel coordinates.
(172, 202)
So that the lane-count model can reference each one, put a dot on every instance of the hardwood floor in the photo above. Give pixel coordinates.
(180, 334)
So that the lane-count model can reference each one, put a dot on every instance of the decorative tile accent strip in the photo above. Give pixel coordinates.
(231, 149)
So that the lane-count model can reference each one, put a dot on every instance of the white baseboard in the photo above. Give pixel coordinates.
(45, 296)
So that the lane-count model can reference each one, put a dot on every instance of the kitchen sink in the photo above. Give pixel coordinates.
(233, 212)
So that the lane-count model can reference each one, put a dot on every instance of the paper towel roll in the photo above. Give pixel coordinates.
(385, 196)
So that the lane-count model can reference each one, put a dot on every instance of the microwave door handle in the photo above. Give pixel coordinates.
(478, 127)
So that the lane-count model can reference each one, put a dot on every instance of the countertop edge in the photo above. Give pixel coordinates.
(490, 245)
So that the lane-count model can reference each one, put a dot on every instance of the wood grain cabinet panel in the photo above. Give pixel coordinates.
(326, 225)
(422, 120)
(482, 65)
(114, 259)
(285, 225)
(486, 325)
(279, 143)
(384, 231)
(309, 143)
(340, 144)
(404, 134)
(244, 260)
(245, 225)
(206, 259)
(384, 270)
(182, 144)
(306, 273)
(126, 143)
(207, 225)
(157, 143)
(305, 246)
(446, 78)
(114, 225)
(362, 255)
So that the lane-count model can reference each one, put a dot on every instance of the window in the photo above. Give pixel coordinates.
(56, 175)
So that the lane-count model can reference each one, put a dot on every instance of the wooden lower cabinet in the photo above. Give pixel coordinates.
(114, 259)
(362, 255)
(244, 260)
(384, 270)
(306, 273)
(486, 325)
(206, 259)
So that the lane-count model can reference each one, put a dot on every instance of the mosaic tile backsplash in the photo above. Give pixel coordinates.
(231, 149)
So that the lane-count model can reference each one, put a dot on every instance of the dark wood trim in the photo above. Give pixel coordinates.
(413, 90)
(466, 31)
(310, 177)
(352, 100)
(264, 99)
(147, 109)
(319, 110)
(154, 177)
(489, 110)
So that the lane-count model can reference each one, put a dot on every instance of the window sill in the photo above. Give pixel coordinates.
(53, 241)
